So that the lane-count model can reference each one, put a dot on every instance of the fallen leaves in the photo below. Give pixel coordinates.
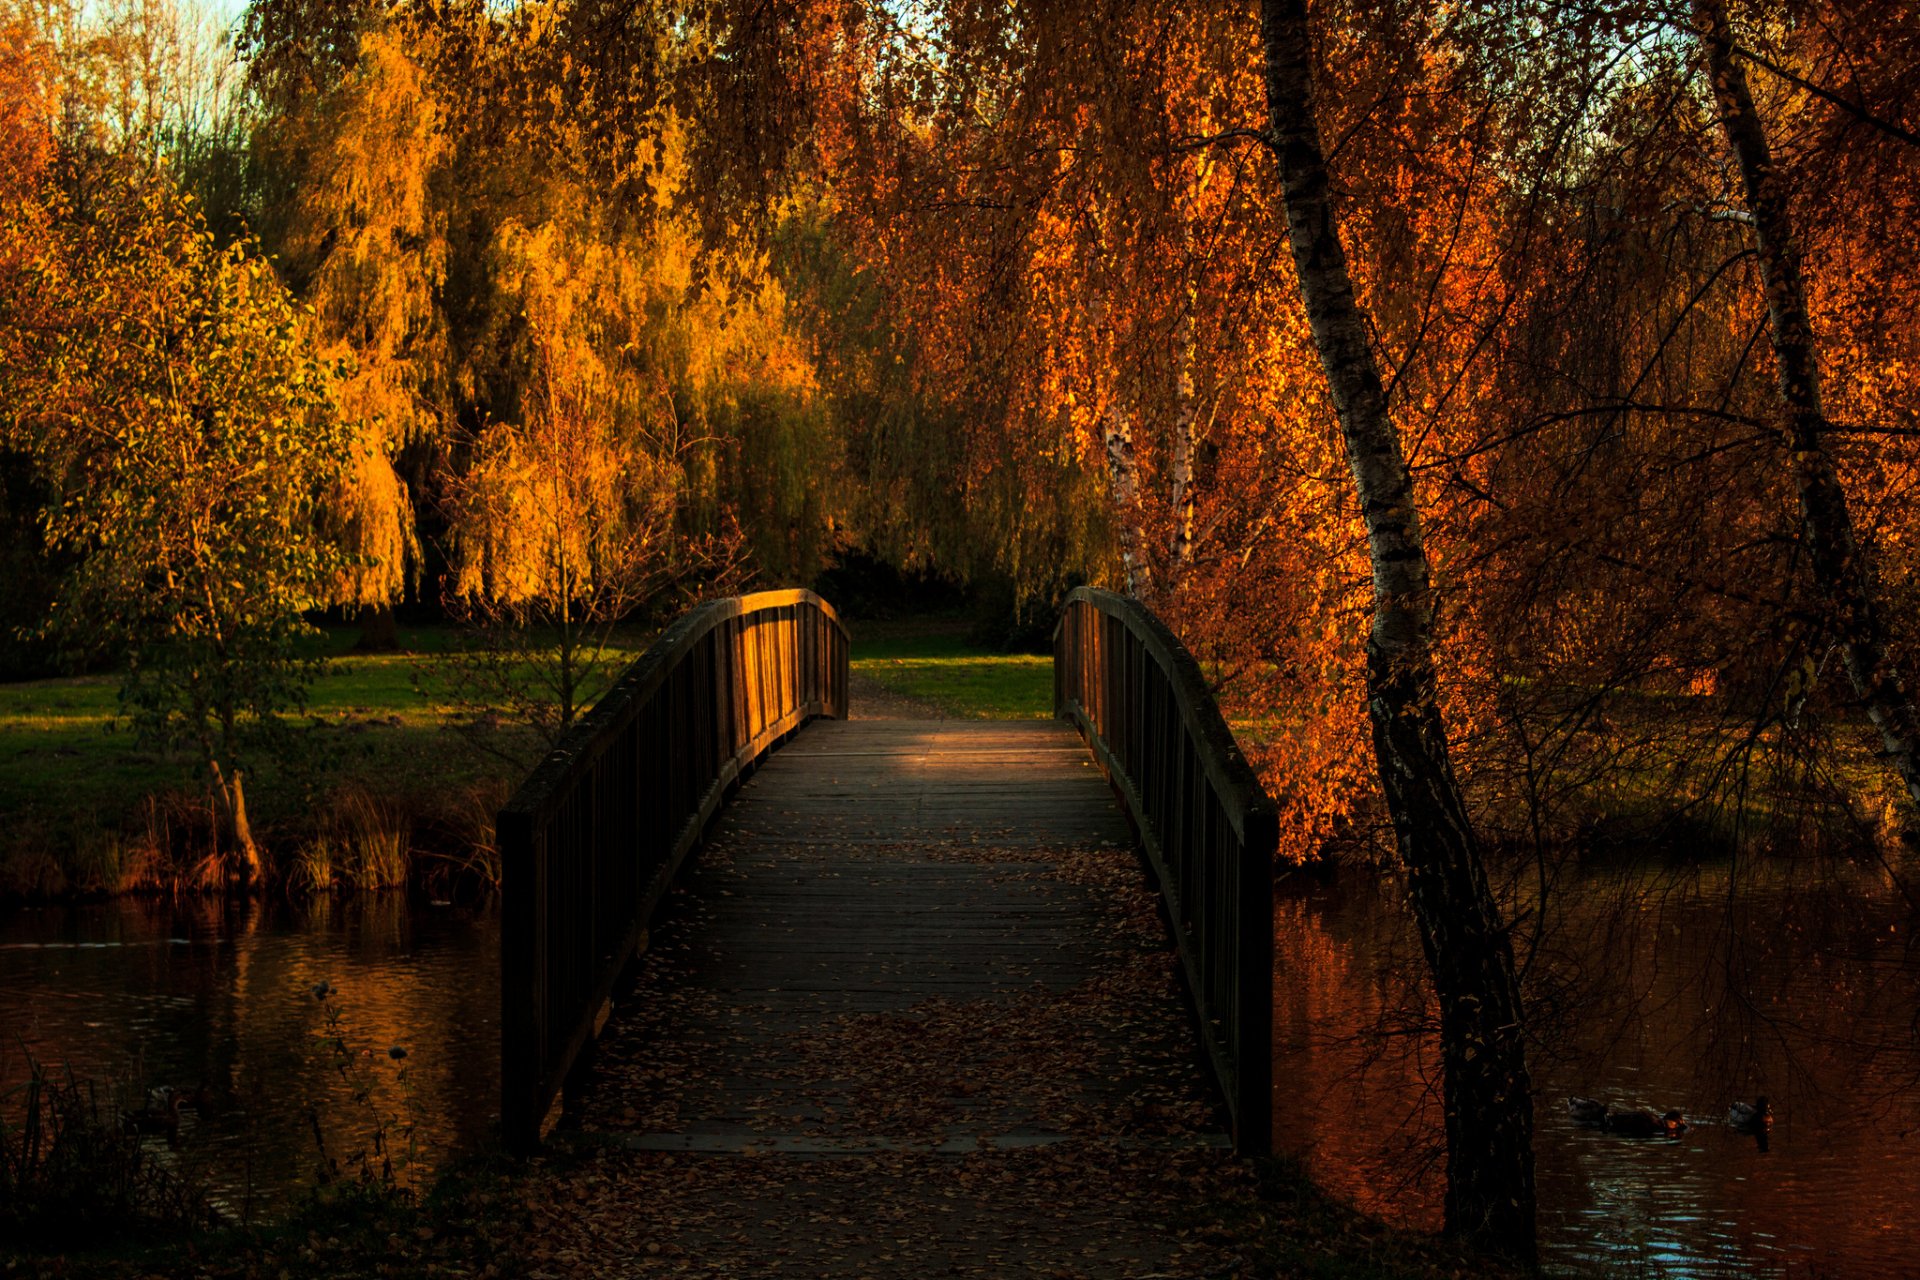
(1028, 1113)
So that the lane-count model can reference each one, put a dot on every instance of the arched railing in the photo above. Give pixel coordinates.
(1208, 827)
(593, 839)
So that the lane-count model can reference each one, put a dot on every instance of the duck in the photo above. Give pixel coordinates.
(161, 1115)
(1588, 1111)
(1750, 1117)
(1645, 1124)
(166, 1095)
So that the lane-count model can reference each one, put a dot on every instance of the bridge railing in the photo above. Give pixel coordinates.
(593, 839)
(1209, 829)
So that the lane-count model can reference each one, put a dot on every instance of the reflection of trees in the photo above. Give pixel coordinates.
(279, 1069)
(218, 992)
(1653, 987)
(1357, 1064)
(1733, 979)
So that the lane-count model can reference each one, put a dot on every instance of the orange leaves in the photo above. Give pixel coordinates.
(1100, 293)
(28, 98)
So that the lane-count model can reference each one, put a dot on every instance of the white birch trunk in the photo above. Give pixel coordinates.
(1180, 451)
(1486, 1089)
(1123, 478)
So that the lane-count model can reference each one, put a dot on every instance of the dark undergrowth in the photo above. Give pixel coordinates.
(472, 1222)
(486, 1219)
(1289, 1226)
(75, 1167)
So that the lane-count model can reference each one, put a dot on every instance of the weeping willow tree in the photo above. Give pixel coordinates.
(641, 411)
(369, 238)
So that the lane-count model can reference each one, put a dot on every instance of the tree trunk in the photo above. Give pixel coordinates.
(1487, 1094)
(379, 630)
(1181, 452)
(234, 796)
(1123, 478)
(1826, 524)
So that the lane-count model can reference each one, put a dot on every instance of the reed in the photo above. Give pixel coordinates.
(72, 1171)
(372, 837)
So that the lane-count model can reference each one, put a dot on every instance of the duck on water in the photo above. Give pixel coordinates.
(161, 1116)
(1594, 1114)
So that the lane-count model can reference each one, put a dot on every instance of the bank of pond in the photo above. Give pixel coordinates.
(278, 1045)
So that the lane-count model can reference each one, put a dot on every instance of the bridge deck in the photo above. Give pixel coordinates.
(913, 1013)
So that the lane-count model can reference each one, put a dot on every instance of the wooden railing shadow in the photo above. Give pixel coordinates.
(591, 842)
(1208, 828)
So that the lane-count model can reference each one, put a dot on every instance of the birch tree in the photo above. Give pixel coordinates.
(1487, 1092)
(1850, 610)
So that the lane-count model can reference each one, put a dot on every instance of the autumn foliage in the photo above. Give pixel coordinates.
(1559, 401)
(996, 293)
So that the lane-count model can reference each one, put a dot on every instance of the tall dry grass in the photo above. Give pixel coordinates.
(352, 838)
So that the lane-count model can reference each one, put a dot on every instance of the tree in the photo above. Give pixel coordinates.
(1488, 1094)
(566, 527)
(369, 241)
(29, 93)
(1851, 611)
(163, 388)
(617, 394)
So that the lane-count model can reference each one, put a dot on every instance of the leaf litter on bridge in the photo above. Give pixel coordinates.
(1049, 1128)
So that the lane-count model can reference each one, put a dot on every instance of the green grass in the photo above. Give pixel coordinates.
(64, 746)
(75, 786)
(931, 661)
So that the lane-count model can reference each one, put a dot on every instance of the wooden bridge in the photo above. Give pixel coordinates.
(739, 924)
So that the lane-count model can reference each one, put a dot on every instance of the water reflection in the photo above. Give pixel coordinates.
(142, 993)
(1651, 992)
(1654, 991)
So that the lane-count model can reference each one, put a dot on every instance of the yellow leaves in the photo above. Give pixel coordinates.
(371, 512)
(180, 439)
(29, 101)
(369, 219)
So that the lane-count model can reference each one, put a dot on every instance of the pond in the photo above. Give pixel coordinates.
(1656, 990)
(217, 994)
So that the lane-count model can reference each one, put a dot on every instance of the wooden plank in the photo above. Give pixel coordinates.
(904, 942)
(854, 895)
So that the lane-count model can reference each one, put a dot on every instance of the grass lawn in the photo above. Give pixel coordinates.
(65, 748)
(930, 660)
(74, 782)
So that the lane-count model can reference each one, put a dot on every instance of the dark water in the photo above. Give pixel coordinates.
(1651, 991)
(140, 994)
(1655, 991)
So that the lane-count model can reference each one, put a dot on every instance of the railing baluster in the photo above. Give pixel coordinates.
(591, 842)
(1209, 829)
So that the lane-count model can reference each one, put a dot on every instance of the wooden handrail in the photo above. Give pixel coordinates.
(1209, 829)
(591, 842)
